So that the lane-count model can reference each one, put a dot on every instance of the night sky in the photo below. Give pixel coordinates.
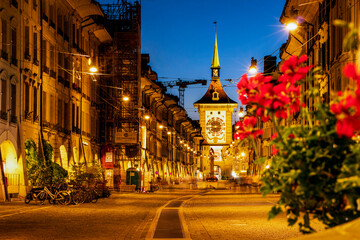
(179, 36)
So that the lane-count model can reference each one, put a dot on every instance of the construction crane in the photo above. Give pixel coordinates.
(182, 85)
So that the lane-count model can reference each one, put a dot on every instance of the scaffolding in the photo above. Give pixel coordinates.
(122, 59)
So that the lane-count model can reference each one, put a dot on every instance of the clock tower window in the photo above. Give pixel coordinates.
(215, 96)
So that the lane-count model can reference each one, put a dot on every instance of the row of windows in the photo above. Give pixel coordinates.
(31, 110)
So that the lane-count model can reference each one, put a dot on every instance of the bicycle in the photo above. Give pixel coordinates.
(36, 194)
(63, 196)
(154, 187)
(90, 195)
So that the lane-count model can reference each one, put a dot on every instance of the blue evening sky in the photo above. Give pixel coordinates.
(179, 36)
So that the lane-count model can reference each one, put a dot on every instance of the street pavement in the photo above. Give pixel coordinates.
(216, 214)
(224, 214)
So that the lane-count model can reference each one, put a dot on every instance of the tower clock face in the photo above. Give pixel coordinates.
(215, 126)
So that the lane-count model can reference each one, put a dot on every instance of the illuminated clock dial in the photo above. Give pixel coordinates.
(215, 126)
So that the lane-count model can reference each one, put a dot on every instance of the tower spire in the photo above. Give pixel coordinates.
(215, 60)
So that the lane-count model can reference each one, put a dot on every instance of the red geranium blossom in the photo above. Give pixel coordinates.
(282, 98)
(274, 150)
(246, 128)
(347, 107)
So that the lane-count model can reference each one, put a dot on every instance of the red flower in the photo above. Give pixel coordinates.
(292, 136)
(293, 69)
(246, 128)
(274, 150)
(347, 107)
(347, 112)
(274, 136)
(281, 98)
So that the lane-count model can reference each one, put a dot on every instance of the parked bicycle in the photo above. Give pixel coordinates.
(154, 187)
(62, 197)
(36, 194)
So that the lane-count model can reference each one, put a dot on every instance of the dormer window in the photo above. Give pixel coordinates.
(215, 96)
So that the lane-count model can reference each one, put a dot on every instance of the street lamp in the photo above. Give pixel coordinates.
(292, 25)
(253, 66)
(126, 98)
(241, 113)
(93, 69)
(147, 117)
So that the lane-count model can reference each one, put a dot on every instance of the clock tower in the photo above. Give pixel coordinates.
(215, 113)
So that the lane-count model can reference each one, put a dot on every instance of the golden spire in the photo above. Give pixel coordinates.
(215, 60)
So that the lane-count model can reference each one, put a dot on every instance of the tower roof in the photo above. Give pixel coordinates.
(215, 60)
(215, 85)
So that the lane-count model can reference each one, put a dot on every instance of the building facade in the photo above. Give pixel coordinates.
(47, 90)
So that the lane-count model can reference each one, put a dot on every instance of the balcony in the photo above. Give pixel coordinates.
(52, 74)
(14, 61)
(36, 62)
(66, 131)
(46, 69)
(75, 46)
(46, 124)
(28, 115)
(36, 118)
(75, 86)
(67, 83)
(60, 31)
(4, 55)
(27, 56)
(45, 17)
(52, 24)
(13, 118)
(76, 130)
(14, 3)
(3, 115)
(61, 79)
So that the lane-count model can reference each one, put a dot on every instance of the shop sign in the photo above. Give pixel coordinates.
(126, 137)
(107, 156)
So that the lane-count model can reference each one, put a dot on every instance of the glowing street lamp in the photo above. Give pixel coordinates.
(291, 26)
(147, 117)
(161, 126)
(93, 69)
(242, 154)
(241, 113)
(253, 66)
(126, 98)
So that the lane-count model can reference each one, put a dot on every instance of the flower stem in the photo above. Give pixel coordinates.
(276, 125)
(255, 147)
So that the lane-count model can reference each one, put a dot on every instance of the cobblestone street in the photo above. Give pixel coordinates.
(218, 214)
